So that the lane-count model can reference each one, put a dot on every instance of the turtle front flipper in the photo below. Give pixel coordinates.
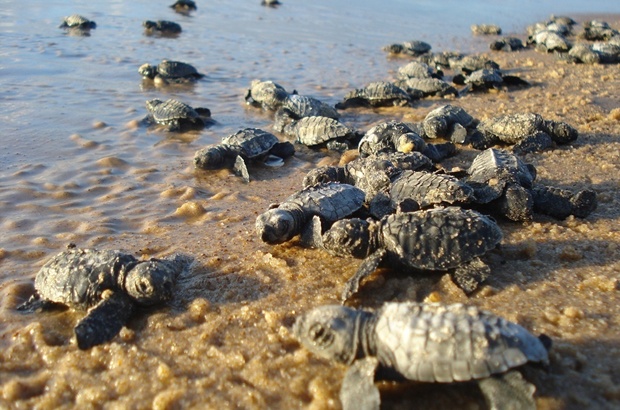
(470, 275)
(508, 391)
(241, 169)
(311, 236)
(367, 267)
(358, 391)
(104, 321)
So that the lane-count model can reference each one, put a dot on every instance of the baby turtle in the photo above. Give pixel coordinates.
(547, 41)
(169, 71)
(528, 132)
(486, 29)
(270, 3)
(175, 115)
(469, 64)
(597, 30)
(78, 23)
(507, 44)
(162, 27)
(184, 6)
(449, 122)
(562, 203)
(439, 239)
(416, 69)
(249, 144)
(376, 94)
(314, 131)
(110, 284)
(266, 94)
(330, 202)
(424, 342)
(411, 48)
(424, 87)
(486, 79)
(580, 53)
(301, 106)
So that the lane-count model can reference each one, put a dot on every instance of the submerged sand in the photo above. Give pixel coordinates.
(225, 340)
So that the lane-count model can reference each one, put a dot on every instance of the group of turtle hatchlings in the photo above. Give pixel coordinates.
(392, 205)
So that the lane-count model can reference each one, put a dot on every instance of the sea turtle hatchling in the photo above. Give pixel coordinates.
(438, 239)
(162, 27)
(316, 130)
(329, 201)
(169, 71)
(375, 94)
(423, 87)
(507, 44)
(184, 6)
(175, 115)
(448, 121)
(431, 342)
(76, 21)
(266, 94)
(110, 284)
(487, 79)
(248, 144)
(409, 48)
(486, 29)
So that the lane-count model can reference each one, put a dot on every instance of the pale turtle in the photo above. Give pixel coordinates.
(76, 21)
(169, 71)
(110, 284)
(266, 94)
(547, 40)
(507, 44)
(597, 30)
(486, 29)
(162, 27)
(438, 239)
(297, 106)
(416, 69)
(608, 52)
(410, 48)
(580, 53)
(329, 201)
(527, 132)
(175, 115)
(375, 94)
(248, 144)
(314, 131)
(430, 342)
(449, 122)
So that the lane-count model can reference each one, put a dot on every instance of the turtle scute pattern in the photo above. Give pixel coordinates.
(376, 94)
(176, 115)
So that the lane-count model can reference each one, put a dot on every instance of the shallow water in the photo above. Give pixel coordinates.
(76, 167)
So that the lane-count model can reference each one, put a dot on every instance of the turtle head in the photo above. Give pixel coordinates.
(349, 237)
(409, 142)
(331, 332)
(276, 226)
(147, 70)
(148, 24)
(151, 282)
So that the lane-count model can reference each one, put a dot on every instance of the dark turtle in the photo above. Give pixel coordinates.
(469, 64)
(507, 44)
(427, 343)
(528, 132)
(547, 40)
(184, 6)
(330, 202)
(565, 20)
(175, 115)
(486, 79)
(376, 94)
(266, 94)
(162, 27)
(597, 30)
(393, 136)
(371, 174)
(270, 3)
(562, 203)
(424, 87)
(78, 24)
(110, 284)
(449, 122)
(303, 106)
(410, 48)
(249, 144)
(504, 182)
(486, 29)
(440, 60)
(414, 190)
(169, 71)
(438, 239)
(314, 131)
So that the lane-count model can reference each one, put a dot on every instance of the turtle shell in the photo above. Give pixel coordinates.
(485, 78)
(439, 238)
(429, 189)
(166, 112)
(448, 343)
(176, 69)
(317, 130)
(267, 94)
(415, 69)
(512, 128)
(304, 106)
(77, 21)
(384, 93)
(253, 142)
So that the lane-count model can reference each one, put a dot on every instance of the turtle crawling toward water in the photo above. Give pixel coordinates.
(110, 284)
(376, 94)
(78, 24)
(266, 94)
(432, 343)
(175, 115)
(169, 71)
(486, 29)
(248, 144)
(162, 27)
(438, 239)
(184, 6)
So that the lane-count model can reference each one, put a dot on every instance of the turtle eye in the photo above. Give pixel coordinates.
(144, 286)
(320, 335)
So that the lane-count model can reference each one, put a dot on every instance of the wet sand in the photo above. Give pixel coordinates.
(225, 340)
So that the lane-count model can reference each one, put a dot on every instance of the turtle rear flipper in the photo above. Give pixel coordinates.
(358, 391)
(36, 304)
(241, 169)
(509, 391)
(104, 321)
(470, 275)
(368, 266)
